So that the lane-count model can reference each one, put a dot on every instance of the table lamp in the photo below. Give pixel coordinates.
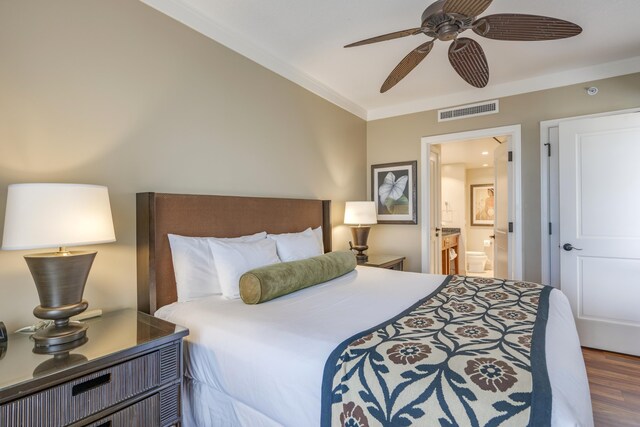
(360, 215)
(58, 215)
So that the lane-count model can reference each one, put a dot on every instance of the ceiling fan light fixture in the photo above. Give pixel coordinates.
(448, 32)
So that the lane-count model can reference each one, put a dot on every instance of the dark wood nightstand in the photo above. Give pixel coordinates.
(391, 262)
(129, 372)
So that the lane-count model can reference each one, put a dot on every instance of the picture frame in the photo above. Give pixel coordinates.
(482, 199)
(394, 189)
(3, 340)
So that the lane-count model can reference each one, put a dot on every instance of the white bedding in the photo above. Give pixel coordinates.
(262, 365)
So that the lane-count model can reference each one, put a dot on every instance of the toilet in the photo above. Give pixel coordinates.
(476, 261)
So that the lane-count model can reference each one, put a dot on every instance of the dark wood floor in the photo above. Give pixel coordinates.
(614, 380)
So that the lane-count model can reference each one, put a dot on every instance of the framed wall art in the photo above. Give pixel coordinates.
(482, 205)
(394, 189)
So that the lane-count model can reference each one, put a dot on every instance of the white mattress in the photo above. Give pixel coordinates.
(262, 365)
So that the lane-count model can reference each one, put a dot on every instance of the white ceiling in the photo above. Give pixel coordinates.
(469, 153)
(302, 40)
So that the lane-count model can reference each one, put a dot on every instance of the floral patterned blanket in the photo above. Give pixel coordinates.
(470, 354)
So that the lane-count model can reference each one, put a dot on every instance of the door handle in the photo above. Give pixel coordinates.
(569, 247)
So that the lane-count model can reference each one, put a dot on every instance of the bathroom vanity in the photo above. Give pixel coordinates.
(450, 239)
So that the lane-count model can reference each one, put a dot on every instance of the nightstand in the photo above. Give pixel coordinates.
(129, 372)
(391, 262)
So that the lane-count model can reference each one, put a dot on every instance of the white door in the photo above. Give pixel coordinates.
(501, 208)
(435, 190)
(554, 207)
(600, 229)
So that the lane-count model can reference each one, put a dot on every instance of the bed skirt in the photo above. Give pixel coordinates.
(206, 406)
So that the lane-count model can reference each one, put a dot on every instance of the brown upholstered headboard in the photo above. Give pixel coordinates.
(209, 216)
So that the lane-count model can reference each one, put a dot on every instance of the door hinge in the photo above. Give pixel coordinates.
(550, 229)
(511, 156)
(510, 227)
(548, 145)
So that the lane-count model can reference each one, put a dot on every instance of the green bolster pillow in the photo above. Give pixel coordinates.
(276, 280)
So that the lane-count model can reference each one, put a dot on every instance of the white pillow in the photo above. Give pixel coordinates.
(233, 259)
(318, 233)
(296, 246)
(195, 271)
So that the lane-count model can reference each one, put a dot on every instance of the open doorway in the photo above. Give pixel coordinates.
(472, 221)
(468, 195)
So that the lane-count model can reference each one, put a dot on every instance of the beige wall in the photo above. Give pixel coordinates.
(115, 93)
(398, 139)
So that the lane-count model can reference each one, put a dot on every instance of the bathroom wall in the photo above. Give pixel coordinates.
(453, 203)
(477, 235)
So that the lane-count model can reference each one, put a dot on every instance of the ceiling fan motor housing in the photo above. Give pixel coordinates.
(443, 26)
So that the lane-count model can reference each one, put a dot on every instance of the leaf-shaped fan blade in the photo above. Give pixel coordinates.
(470, 8)
(468, 59)
(513, 26)
(385, 37)
(405, 66)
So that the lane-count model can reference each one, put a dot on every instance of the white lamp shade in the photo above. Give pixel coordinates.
(360, 213)
(56, 215)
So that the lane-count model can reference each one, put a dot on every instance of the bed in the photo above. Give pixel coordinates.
(263, 365)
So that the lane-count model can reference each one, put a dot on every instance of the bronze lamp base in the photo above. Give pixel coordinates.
(360, 235)
(60, 278)
(60, 333)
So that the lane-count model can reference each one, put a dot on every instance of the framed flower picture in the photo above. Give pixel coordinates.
(394, 189)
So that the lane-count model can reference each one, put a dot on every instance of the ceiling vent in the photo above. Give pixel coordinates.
(471, 110)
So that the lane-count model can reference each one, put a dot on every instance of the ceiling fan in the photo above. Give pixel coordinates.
(445, 19)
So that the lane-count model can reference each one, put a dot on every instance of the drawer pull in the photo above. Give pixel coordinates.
(105, 424)
(90, 384)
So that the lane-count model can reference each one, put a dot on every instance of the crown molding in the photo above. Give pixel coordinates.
(547, 81)
(196, 20)
(199, 22)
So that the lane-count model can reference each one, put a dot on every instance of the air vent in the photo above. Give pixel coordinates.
(471, 110)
